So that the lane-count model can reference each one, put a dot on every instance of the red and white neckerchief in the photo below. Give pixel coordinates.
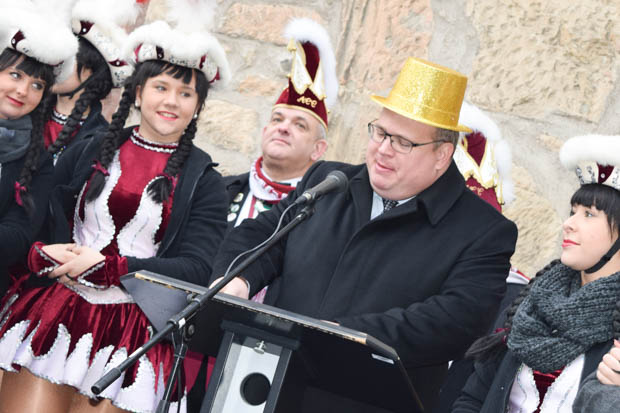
(264, 188)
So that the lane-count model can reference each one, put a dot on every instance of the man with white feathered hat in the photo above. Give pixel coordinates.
(295, 136)
(292, 140)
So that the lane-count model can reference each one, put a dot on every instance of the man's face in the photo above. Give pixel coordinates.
(395, 175)
(292, 139)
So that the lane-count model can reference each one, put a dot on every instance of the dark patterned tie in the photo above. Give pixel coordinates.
(388, 204)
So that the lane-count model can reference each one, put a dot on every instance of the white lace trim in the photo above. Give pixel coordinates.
(59, 367)
(152, 146)
(110, 295)
(524, 395)
(137, 238)
(97, 230)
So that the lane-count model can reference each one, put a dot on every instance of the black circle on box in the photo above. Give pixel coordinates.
(255, 389)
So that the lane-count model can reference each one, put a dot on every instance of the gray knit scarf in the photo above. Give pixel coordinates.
(14, 138)
(560, 319)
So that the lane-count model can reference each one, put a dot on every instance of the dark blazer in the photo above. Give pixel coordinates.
(426, 277)
(488, 389)
(235, 185)
(17, 229)
(197, 222)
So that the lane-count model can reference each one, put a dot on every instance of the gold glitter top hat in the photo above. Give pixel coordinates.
(428, 93)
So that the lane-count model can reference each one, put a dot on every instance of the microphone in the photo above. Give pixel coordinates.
(335, 181)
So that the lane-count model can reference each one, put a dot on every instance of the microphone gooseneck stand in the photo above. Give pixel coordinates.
(177, 324)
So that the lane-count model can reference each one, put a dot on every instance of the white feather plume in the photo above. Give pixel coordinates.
(602, 149)
(191, 15)
(117, 12)
(472, 117)
(307, 30)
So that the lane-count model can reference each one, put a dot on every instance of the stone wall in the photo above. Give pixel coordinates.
(545, 70)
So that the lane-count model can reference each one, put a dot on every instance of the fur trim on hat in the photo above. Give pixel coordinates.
(107, 34)
(602, 149)
(191, 15)
(472, 117)
(184, 49)
(47, 35)
(307, 30)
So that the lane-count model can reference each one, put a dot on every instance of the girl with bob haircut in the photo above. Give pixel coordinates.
(136, 198)
(31, 60)
(559, 328)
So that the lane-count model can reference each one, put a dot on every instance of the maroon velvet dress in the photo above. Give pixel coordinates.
(73, 334)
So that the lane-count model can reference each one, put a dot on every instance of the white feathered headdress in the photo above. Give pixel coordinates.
(494, 168)
(103, 24)
(594, 158)
(313, 83)
(41, 30)
(185, 41)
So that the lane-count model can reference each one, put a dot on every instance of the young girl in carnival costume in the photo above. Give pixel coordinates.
(138, 198)
(36, 48)
(100, 29)
(559, 328)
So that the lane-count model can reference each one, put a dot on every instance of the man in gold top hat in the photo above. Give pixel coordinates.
(406, 254)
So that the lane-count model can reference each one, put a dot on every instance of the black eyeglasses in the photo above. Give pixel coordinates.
(397, 142)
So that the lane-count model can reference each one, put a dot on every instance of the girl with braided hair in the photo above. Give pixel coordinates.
(136, 198)
(30, 62)
(100, 66)
(77, 108)
(562, 323)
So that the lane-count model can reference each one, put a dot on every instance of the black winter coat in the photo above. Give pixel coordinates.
(17, 229)
(426, 277)
(488, 389)
(235, 185)
(197, 222)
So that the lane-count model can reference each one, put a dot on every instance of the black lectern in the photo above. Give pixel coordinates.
(266, 356)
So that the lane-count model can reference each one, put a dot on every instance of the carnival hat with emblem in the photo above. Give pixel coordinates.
(429, 93)
(104, 24)
(40, 29)
(596, 160)
(183, 40)
(484, 158)
(312, 82)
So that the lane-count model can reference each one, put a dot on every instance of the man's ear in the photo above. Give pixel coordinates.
(443, 155)
(320, 146)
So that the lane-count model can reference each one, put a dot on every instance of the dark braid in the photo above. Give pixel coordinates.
(97, 89)
(161, 188)
(31, 160)
(492, 345)
(111, 141)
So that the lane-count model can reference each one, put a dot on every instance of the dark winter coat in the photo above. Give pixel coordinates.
(236, 184)
(17, 229)
(426, 277)
(488, 389)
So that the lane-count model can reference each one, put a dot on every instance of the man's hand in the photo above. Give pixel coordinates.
(608, 371)
(237, 287)
(85, 258)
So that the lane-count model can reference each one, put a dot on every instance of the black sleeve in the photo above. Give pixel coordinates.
(594, 396)
(17, 229)
(200, 237)
(477, 387)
